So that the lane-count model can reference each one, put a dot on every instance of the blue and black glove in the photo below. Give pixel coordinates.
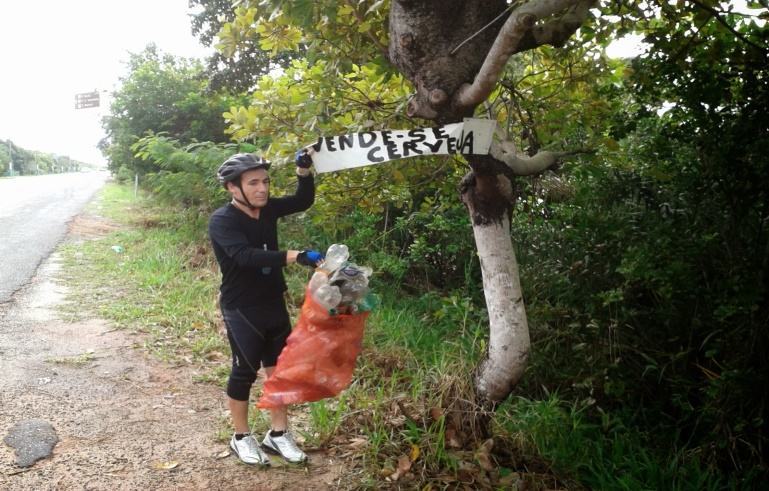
(303, 159)
(309, 258)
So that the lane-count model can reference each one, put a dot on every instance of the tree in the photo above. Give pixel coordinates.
(454, 54)
(236, 73)
(5, 157)
(705, 161)
(161, 94)
(457, 57)
(31, 162)
(451, 87)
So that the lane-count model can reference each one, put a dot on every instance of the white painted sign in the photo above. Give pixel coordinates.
(333, 153)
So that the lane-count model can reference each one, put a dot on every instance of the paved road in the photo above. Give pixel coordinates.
(34, 211)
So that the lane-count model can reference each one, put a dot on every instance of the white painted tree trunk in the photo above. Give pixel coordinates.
(509, 341)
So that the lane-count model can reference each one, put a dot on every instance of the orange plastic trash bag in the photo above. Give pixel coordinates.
(318, 359)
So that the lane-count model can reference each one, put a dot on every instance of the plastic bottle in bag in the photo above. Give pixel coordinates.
(328, 296)
(319, 278)
(367, 303)
(352, 283)
(336, 256)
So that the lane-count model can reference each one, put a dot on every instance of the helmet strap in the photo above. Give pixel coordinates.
(243, 201)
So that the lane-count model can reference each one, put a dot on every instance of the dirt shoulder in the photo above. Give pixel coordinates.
(124, 421)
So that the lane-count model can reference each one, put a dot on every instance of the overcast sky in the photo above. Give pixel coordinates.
(51, 50)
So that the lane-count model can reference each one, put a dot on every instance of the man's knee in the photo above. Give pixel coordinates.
(239, 384)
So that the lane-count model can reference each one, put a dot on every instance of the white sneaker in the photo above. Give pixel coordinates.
(285, 446)
(247, 449)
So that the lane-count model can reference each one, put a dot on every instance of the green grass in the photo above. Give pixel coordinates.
(156, 274)
(143, 279)
(602, 455)
(327, 416)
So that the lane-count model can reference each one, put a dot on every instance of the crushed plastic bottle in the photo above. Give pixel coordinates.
(336, 256)
(352, 283)
(367, 303)
(339, 286)
(328, 296)
(319, 278)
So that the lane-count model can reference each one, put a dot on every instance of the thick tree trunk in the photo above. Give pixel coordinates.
(509, 342)
(424, 36)
(489, 196)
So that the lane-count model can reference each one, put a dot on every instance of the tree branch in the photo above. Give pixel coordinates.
(373, 38)
(556, 33)
(518, 25)
(715, 13)
(521, 165)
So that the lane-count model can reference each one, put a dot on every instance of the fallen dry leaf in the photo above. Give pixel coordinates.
(357, 442)
(487, 445)
(511, 480)
(223, 454)
(165, 466)
(452, 439)
(484, 460)
(415, 452)
(484, 455)
(214, 355)
(404, 465)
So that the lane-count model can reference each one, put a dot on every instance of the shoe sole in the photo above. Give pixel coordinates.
(262, 464)
(272, 451)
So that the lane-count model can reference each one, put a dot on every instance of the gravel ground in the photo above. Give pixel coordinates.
(123, 421)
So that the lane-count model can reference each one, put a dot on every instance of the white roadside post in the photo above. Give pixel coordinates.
(10, 160)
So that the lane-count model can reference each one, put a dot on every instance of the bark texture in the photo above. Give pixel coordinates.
(422, 37)
(489, 195)
(509, 341)
(454, 51)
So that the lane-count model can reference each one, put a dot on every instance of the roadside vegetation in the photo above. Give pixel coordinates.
(18, 161)
(643, 262)
(157, 275)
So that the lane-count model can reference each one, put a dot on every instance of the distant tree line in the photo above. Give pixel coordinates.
(18, 161)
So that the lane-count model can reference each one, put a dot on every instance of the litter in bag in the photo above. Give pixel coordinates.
(318, 359)
(320, 353)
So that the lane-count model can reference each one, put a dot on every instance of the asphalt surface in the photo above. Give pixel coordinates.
(34, 212)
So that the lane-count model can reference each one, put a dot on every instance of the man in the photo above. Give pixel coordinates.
(244, 235)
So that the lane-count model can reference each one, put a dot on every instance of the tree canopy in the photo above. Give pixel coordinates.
(161, 94)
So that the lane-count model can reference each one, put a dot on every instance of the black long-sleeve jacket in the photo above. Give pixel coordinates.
(247, 248)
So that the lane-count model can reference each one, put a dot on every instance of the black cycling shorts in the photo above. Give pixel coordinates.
(257, 335)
